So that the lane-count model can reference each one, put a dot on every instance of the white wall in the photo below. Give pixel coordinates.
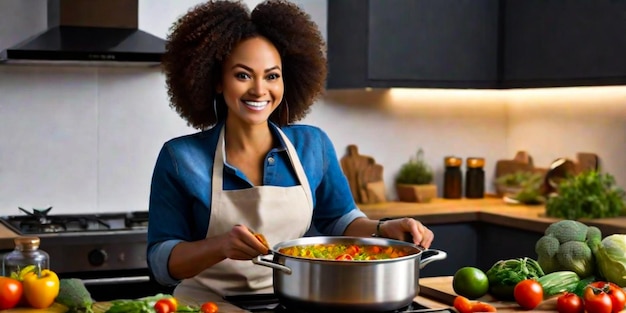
(85, 139)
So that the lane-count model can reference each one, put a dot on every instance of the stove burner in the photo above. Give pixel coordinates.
(30, 227)
(40, 221)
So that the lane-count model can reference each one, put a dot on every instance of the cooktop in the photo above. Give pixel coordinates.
(269, 303)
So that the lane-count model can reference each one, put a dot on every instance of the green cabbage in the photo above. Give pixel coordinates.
(610, 256)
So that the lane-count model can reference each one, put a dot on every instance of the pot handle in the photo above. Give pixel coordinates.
(438, 255)
(259, 260)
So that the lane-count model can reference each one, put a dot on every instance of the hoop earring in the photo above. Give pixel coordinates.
(217, 117)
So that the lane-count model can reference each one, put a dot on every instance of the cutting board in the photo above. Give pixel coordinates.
(440, 289)
(365, 177)
(55, 308)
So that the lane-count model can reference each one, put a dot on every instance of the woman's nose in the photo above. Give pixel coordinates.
(258, 88)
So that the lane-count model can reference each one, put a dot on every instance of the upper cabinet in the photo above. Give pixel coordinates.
(476, 43)
(412, 43)
(564, 42)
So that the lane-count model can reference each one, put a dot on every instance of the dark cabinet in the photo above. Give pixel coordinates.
(478, 244)
(564, 42)
(412, 43)
(476, 43)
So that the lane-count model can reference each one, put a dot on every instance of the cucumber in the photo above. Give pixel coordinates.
(558, 282)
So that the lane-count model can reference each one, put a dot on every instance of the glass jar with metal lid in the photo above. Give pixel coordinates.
(475, 178)
(453, 178)
(26, 253)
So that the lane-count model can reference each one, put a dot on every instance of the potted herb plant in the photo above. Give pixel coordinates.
(414, 181)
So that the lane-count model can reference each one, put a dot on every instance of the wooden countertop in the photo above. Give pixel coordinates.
(490, 209)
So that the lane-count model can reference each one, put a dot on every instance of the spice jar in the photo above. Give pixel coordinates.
(453, 178)
(475, 178)
(26, 253)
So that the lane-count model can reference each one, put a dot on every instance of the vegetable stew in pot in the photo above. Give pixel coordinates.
(342, 251)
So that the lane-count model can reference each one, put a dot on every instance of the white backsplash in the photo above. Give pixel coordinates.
(85, 139)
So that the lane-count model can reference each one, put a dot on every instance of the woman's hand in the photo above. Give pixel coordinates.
(400, 228)
(241, 244)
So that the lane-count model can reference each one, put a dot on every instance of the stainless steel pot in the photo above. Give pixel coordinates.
(330, 285)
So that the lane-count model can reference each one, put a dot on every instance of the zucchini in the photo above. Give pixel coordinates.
(558, 282)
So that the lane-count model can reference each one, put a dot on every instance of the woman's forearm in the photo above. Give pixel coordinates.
(190, 258)
(361, 227)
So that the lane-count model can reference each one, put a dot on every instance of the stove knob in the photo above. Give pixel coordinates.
(97, 257)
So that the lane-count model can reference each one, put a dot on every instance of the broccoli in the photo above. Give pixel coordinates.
(74, 295)
(565, 247)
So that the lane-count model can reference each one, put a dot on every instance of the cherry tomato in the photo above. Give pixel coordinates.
(462, 304)
(596, 300)
(617, 294)
(209, 307)
(172, 303)
(345, 257)
(162, 306)
(569, 303)
(528, 293)
(11, 291)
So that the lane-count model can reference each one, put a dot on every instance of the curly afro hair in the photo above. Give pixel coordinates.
(202, 39)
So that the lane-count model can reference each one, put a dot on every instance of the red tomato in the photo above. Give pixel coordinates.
(528, 293)
(209, 307)
(345, 257)
(462, 304)
(10, 292)
(617, 294)
(352, 250)
(596, 300)
(172, 303)
(569, 303)
(162, 306)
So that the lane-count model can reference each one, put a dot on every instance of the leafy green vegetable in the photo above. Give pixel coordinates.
(587, 195)
(74, 295)
(564, 247)
(610, 256)
(528, 185)
(141, 305)
(505, 274)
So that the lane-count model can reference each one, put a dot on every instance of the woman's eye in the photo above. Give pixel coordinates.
(242, 76)
(273, 76)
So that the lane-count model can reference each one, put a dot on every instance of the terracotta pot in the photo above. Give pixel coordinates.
(416, 193)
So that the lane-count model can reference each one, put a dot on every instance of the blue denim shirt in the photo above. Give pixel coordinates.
(180, 195)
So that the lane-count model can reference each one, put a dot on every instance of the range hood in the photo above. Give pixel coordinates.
(89, 32)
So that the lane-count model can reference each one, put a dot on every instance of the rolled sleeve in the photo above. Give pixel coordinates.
(158, 259)
(338, 227)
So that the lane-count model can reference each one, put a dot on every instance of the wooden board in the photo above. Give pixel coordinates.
(440, 289)
(364, 176)
(55, 308)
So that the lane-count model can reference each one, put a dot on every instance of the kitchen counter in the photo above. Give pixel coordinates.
(490, 210)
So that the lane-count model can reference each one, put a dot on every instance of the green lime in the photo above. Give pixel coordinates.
(470, 282)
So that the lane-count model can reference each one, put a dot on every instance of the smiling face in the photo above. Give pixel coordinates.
(252, 82)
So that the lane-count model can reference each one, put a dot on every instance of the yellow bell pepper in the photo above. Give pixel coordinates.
(41, 291)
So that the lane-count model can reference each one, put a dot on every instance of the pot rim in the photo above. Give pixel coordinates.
(414, 250)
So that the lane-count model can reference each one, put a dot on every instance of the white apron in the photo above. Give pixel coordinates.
(279, 213)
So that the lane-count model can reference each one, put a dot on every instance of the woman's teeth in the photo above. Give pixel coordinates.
(257, 105)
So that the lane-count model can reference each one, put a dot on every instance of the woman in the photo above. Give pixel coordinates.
(242, 78)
